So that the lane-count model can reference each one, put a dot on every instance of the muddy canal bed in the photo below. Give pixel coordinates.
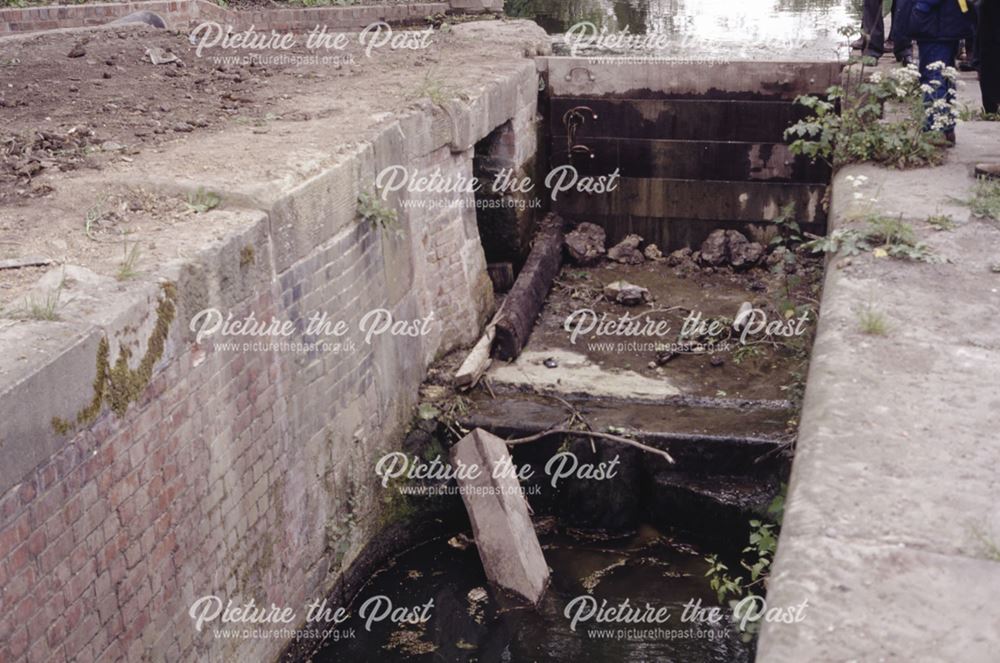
(470, 622)
(582, 342)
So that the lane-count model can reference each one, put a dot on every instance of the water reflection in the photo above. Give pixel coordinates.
(748, 28)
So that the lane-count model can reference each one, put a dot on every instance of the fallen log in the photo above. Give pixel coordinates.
(498, 511)
(530, 290)
(479, 358)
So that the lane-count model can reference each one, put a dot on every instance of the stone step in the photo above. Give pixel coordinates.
(690, 160)
(711, 506)
(703, 435)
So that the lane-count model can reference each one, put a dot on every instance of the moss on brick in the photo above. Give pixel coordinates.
(118, 386)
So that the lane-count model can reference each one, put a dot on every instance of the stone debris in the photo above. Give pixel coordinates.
(679, 257)
(460, 542)
(627, 251)
(159, 55)
(626, 293)
(729, 247)
(586, 244)
(664, 357)
(78, 51)
(653, 252)
(477, 598)
(498, 511)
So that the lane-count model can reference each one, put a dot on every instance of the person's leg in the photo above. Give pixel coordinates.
(988, 47)
(934, 57)
(873, 27)
(902, 46)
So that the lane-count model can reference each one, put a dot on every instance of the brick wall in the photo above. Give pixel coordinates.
(239, 474)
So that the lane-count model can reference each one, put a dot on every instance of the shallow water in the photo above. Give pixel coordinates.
(647, 568)
(723, 29)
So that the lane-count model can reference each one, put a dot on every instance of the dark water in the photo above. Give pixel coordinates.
(468, 623)
(755, 29)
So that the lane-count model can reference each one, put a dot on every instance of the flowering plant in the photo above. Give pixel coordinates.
(875, 117)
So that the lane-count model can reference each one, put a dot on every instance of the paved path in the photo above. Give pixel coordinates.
(894, 507)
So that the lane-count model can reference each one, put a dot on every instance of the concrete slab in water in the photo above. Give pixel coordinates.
(498, 510)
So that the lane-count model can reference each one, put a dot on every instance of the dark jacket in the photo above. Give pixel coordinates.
(935, 20)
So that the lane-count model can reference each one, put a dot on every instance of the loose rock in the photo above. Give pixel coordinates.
(586, 244)
(627, 251)
(652, 252)
(158, 55)
(679, 257)
(626, 293)
(729, 247)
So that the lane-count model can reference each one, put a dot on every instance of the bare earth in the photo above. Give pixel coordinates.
(81, 135)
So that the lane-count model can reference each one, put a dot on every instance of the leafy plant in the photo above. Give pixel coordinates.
(202, 201)
(850, 124)
(757, 556)
(941, 222)
(763, 542)
(746, 352)
(847, 241)
(789, 230)
(988, 542)
(433, 88)
(381, 217)
(884, 237)
(985, 201)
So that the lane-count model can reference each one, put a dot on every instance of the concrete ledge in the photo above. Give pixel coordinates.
(568, 76)
(896, 464)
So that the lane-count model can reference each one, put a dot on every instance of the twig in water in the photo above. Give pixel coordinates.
(603, 436)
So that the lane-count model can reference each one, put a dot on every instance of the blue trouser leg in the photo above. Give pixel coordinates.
(931, 52)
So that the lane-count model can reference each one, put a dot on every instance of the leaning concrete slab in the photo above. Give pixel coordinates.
(892, 521)
(498, 510)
